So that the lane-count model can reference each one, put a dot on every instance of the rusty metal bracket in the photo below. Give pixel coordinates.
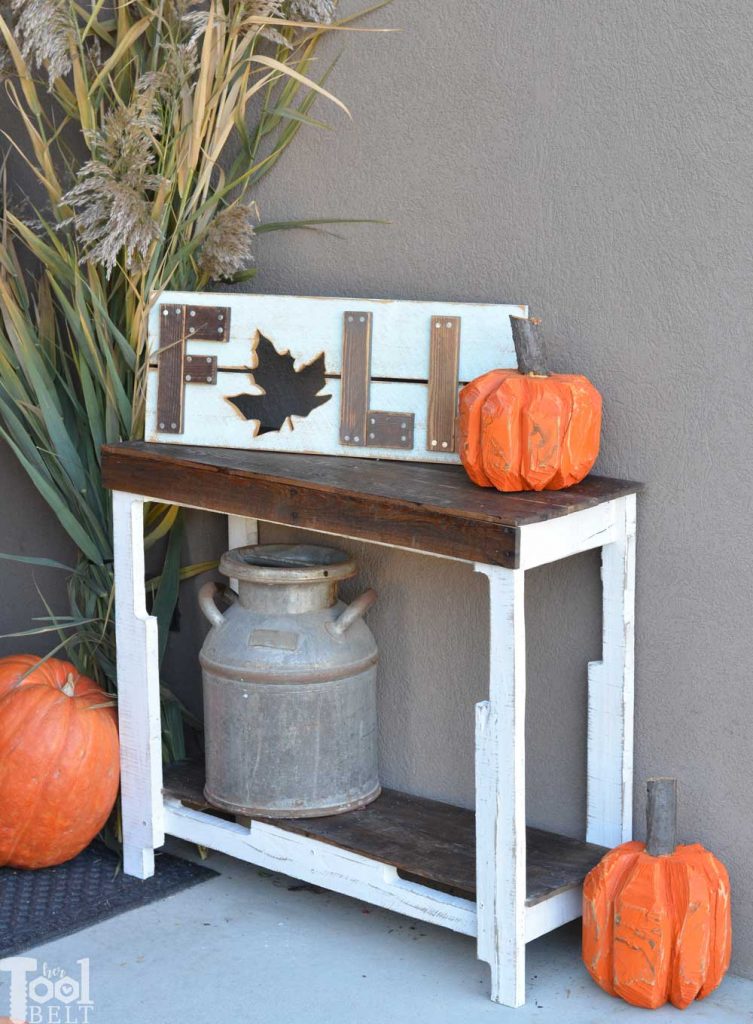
(177, 325)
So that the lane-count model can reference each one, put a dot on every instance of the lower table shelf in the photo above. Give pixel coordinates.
(425, 841)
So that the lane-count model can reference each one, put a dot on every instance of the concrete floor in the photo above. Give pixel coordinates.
(254, 947)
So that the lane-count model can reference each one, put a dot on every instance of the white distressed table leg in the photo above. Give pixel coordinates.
(138, 693)
(500, 791)
(240, 532)
(611, 691)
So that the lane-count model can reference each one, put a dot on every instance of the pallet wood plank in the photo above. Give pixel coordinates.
(171, 383)
(310, 435)
(321, 864)
(428, 486)
(200, 369)
(429, 508)
(312, 324)
(384, 353)
(356, 377)
(443, 383)
(611, 691)
(138, 693)
(500, 790)
(208, 323)
(390, 429)
(425, 840)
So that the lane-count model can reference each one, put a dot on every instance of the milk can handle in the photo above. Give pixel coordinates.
(207, 595)
(354, 611)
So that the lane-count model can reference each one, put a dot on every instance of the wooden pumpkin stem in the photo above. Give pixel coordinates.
(529, 347)
(661, 817)
(69, 686)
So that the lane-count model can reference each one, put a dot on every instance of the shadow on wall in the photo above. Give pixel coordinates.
(28, 528)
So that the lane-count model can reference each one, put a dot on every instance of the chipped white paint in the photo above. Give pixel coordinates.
(209, 419)
(500, 791)
(216, 506)
(138, 693)
(552, 913)
(500, 919)
(321, 864)
(306, 327)
(240, 533)
(611, 690)
(568, 535)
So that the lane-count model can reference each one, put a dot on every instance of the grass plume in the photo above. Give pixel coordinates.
(180, 110)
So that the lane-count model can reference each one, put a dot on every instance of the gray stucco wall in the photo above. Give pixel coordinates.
(592, 160)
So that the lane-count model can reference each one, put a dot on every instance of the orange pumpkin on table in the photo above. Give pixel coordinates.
(59, 761)
(528, 429)
(657, 924)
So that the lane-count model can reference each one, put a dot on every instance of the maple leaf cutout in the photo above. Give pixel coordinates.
(287, 391)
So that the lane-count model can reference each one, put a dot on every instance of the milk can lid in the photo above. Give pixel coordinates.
(287, 563)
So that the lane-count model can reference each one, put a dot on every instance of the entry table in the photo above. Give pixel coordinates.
(481, 874)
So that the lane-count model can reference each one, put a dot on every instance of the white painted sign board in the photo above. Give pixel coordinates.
(330, 376)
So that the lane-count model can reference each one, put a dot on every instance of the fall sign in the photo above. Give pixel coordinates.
(367, 377)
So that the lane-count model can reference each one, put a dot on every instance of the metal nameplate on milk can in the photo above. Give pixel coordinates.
(289, 678)
(273, 638)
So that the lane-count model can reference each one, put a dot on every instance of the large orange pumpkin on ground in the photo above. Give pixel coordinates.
(656, 918)
(59, 761)
(527, 429)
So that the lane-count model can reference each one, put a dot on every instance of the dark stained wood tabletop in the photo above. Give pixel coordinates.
(422, 506)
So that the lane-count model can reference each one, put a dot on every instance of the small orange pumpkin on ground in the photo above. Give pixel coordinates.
(59, 761)
(657, 921)
(527, 429)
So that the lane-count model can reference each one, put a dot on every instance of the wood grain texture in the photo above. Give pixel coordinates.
(443, 383)
(208, 323)
(387, 370)
(500, 791)
(171, 382)
(611, 690)
(529, 347)
(317, 434)
(138, 693)
(241, 533)
(390, 429)
(322, 864)
(200, 369)
(356, 377)
(435, 509)
(426, 840)
(176, 324)
(422, 507)
(308, 325)
(661, 816)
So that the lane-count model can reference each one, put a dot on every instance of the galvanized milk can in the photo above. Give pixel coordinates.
(289, 686)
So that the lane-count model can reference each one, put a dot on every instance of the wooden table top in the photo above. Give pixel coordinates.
(426, 507)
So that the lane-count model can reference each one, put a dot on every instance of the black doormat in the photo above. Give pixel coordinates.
(38, 906)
